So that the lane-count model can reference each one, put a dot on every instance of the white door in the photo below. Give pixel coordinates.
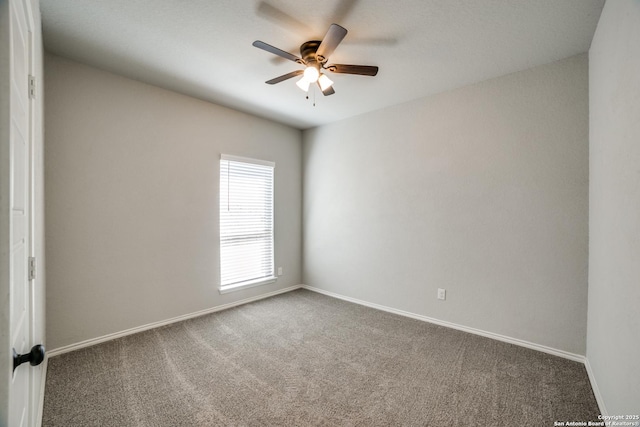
(20, 221)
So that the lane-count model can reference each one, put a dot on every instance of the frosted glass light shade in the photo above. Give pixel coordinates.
(325, 82)
(303, 84)
(311, 74)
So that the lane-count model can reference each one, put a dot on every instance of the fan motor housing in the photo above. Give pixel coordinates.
(308, 52)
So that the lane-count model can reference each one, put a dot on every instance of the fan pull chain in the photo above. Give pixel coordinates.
(312, 89)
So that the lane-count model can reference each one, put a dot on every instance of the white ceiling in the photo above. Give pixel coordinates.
(202, 48)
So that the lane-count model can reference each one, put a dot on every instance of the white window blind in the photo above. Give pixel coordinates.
(246, 222)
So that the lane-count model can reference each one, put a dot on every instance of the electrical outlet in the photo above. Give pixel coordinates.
(442, 294)
(279, 271)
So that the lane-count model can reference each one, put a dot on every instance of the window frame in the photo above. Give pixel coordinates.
(250, 283)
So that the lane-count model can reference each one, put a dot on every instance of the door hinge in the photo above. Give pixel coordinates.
(32, 87)
(32, 268)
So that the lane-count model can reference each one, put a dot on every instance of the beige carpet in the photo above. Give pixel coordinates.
(301, 359)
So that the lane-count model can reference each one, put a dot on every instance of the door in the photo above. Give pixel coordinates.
(19, 210)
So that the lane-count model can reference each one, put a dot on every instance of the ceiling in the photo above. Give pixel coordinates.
(202, 48)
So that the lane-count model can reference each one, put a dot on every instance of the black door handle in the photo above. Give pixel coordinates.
(34, 357)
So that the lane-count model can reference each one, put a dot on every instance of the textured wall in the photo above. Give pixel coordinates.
(613, 341)
(482, 191)
(132, 201)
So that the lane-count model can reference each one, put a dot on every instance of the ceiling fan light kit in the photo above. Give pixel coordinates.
(324, 82)
(311, 73)
(303, 84)
(314, 55)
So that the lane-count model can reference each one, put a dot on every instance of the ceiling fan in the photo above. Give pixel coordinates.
(314, 56)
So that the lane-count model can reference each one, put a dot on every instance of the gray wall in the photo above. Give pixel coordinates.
(613, 341)
(131, 176)
(482, 191)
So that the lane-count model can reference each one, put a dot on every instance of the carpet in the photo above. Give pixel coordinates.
(305, 359)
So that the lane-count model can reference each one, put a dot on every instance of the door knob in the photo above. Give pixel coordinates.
(34, 357)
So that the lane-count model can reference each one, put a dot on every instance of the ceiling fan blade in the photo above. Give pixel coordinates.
(284, 77)
(286, 55)
(372, 41)
(344, 9)
(331, 40)
(280, 18)
(361, 70)
(328, 91)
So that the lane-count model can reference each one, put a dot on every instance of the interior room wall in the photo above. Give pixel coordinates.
(482, 191)
(131, 175)
(613, 340)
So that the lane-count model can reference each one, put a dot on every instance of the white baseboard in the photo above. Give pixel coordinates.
(510, 340)
(109, 337)
(594, 387)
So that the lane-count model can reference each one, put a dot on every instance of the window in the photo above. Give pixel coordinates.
(246, 223)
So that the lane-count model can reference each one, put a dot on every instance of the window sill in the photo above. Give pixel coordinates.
(246, 285)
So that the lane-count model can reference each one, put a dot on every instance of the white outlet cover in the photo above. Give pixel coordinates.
(442, 294)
